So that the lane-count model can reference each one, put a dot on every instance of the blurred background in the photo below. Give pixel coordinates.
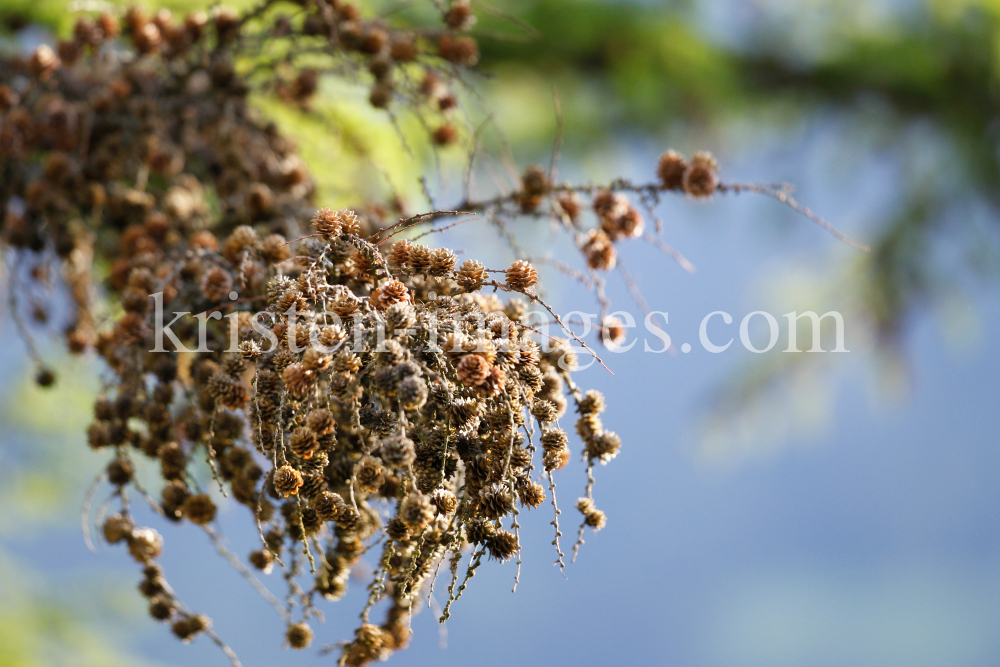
(775, 509)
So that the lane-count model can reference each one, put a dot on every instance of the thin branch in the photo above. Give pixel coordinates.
(535, 299)
(658, 243)
(246, 573)
(788, 200)
(88, 498)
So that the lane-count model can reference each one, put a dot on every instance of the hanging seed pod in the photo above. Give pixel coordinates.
(328, 506)
(199, 509)
(458, 50)
(503, 546)
(287, 481)
(445, 135)
(599, 250)
(120, 471)
(459, 15)
(369, 474)
(299, 636)
(417, 511)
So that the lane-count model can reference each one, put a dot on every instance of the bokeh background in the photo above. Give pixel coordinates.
(776, 510)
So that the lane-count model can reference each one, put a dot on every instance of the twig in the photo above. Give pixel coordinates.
(555, 522)
(788, 200)
(225, 648)
(85, 510)
(534, 298)
(246, 573)
(669, 250)
(413, 221)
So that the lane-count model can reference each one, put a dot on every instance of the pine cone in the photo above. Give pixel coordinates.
(399, 255)
(388, 294)
(216, 284)
(701, 178)
(521, 276)
(671, 170)
(327, 223)
(472, 370)
(472, 276)
(503, 546)
(443, 261)
(599, 251)
(287, 480)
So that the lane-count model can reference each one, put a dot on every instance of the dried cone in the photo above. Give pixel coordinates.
(299, 380)
(612, 331)
(388, 294)
(400, 253)
(287, 480)
(459, 16)
(671, 170)
(328, 505)
(321, 421)
(445, 135)
(419, 258)
(303, 442)
(299, 636)
(607, 204)
(327, 223)
(350, 222)
(442, 262)
(243, 240)
(503, 546)
(472, 275)
(521, 276)
(216, 284)
(458, 50)
(472, 370)
(369, 474)
(627, 223)
(701, 178)
(199, 509)
(417, 511)
(599, 251)
(493, 384)
(569, 204)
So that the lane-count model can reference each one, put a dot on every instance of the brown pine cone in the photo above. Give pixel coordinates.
(472, 370)
(287, 480)
(420, 258)
(472, 275)
(388, 294)
(521, 276)
(399, 255)
(443, 261)
(327, 223)
(216, 284)
(701, 178)
(599, 251)
(671, 170)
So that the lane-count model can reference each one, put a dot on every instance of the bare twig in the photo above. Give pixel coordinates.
(669, 250)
